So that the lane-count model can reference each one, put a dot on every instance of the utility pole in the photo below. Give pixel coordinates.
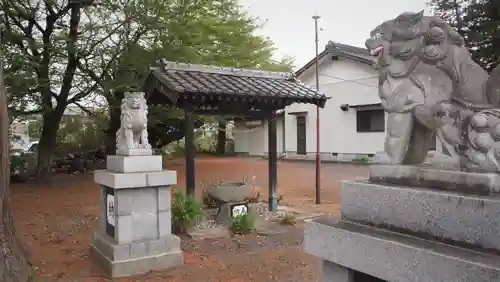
(318, 155)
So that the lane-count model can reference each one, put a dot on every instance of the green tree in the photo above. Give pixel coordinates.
(203, 31)
(45, 43)
(53, 45)
(477, 21)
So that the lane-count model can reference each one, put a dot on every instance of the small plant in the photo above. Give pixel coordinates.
(186, 212)
(16, 164)
(208, 200)
(256, 195)
(242, 224)
(288, 219)
(360, 159)
(280, 198)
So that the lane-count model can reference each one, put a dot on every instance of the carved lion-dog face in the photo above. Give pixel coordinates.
(401, 43)
(134, 100)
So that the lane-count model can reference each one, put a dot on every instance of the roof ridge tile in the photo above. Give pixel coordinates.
(166, 65)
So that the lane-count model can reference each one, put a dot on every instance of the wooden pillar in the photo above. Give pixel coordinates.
(273, 162)
(190, 152)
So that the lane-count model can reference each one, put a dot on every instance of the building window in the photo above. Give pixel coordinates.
(370, 120)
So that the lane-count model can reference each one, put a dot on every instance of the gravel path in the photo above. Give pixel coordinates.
(243, 258)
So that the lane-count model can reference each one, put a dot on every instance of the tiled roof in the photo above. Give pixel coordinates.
(210, 80)
(342, 50)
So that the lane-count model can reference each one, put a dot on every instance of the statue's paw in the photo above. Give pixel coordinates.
(443, 161)
(147, 146)
(381, 158)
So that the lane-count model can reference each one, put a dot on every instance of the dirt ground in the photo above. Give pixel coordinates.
(55, 222)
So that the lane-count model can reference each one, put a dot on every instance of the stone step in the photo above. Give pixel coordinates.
(449, 216)
(392, 256)
(426, 177)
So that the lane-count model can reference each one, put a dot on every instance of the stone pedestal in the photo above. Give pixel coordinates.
(228, 210)
(412, 224)
(134, 235)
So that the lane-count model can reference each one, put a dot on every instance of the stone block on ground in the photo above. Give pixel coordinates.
(209, 232)
(119, 260)
(270, 227)
(449, 216)
(337, 273)
(395, 257)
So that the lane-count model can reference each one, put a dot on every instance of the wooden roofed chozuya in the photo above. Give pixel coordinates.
(232, 92)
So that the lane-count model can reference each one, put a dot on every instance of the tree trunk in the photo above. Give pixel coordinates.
(14, 265)
(114, 121)
(113, 126)
(48, 142)
(221, 138)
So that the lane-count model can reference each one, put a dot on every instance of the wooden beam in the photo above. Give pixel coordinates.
(190, 152)
(273, 162)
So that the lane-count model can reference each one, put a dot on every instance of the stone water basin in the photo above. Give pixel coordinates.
(231, 191)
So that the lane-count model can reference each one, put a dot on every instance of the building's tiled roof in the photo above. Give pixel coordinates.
(342, 50)
(210, 80)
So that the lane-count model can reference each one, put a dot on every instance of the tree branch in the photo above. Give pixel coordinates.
(82, 94)
(88, 112)
(28, 16)
(72, 56)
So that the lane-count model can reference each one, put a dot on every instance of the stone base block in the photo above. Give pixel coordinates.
(135, 180)
(395, 257)
(425, 177)
(337, 273)
(130, 164)
(446, 215)
(137, 257)
(134, 152)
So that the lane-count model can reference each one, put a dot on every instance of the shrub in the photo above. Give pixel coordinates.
(186, 212)
(17, 168)
(16, 164)
(360, 159)
(208, 200)
(288, 219)
(242, 224)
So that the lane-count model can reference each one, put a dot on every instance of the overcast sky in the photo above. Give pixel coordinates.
(291, 27)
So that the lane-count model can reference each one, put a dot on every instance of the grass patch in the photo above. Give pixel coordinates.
(288, 219)
(242, 224)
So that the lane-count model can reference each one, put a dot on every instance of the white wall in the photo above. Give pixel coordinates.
(19, 138)
(253, 139)
(346, 82)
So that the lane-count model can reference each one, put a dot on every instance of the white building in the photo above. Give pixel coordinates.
(19, 135)
(352, 124)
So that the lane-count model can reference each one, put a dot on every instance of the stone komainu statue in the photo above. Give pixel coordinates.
(430, 86)
(133, 132)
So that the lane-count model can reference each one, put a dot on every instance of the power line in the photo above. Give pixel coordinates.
(350, 80)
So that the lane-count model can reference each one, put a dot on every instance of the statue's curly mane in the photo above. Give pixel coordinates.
(415, 39)
(414, 44)
(428, 83)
